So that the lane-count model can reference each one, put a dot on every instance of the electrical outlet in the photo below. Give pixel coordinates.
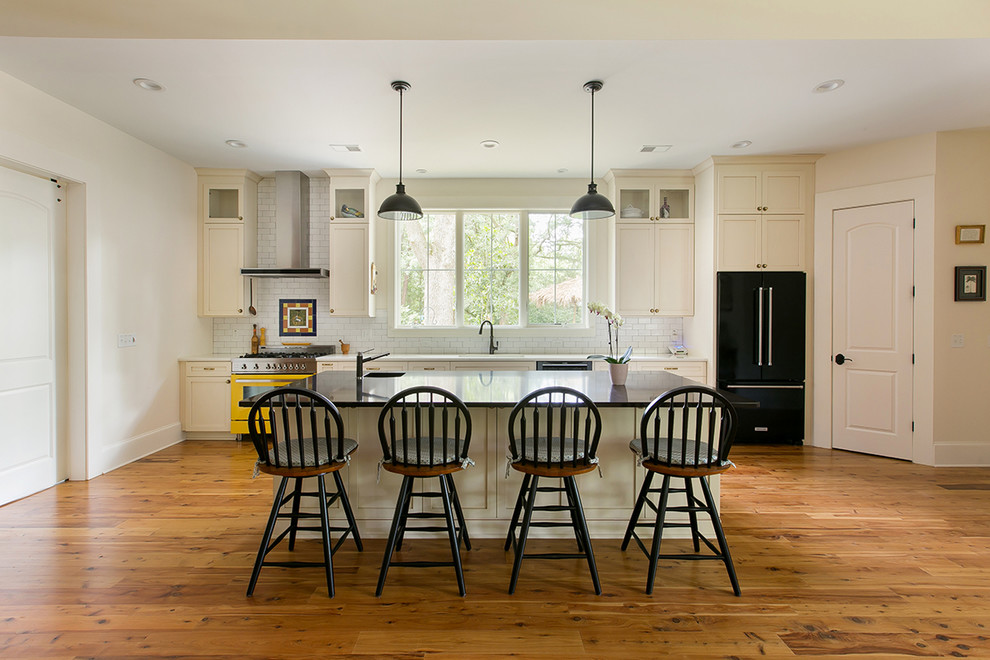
(123, 341)
(958, 341)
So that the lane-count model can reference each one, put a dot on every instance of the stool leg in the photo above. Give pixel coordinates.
(516, 511)
(455, 546)
(692, 515)
(571, 485)
(346, 503)
(403, 519)
(457, 510)
(294, 520)
(638, 509)
(325, 532)
(658, 534)
(720, 535)
(523, 532)
(400, 507)
(572, 510)
(267, 536)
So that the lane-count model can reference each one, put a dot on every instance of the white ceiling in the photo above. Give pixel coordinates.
(290, 99)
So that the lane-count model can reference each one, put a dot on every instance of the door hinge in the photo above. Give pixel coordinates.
(912, 426)
(912, 358)
(914, 223)
(913, 294)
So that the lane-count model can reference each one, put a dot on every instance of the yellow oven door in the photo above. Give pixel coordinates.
(243, 386)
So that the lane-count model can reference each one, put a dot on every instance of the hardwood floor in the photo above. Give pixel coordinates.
(837, 554)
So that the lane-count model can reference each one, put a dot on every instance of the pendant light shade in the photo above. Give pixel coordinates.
(593, 206)
(400, 206)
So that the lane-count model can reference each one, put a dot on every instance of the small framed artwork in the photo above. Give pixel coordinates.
(298, 318)
(971, 282)
(970, 233)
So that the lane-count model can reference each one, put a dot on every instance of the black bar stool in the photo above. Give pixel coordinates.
(686, 433)
(425, 432)
(298, 433)
(553, 432)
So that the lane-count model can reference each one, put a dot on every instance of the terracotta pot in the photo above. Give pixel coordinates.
(618, 373)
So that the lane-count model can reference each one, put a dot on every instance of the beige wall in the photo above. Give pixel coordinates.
(132, 259)
(958, 162)
(895, 160)
(962, 197)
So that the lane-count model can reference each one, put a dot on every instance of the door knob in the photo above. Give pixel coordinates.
(841, 359)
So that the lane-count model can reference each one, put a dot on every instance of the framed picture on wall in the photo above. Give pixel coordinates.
(298, 318)
(971, 282)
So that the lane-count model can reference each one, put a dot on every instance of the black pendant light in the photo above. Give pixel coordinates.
(593, 206)
(400, 206)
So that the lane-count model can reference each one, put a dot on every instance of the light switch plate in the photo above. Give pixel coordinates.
(123, 341)
(958, 341)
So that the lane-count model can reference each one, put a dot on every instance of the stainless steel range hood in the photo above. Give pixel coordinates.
(291, 230)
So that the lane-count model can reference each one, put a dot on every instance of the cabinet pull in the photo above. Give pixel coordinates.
(331, 310)
(429, 368)
(240, 311)
(209, 368)
(228, 381)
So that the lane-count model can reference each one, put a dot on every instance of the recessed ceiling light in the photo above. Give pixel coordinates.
(345, 147)
(149, 84)
(236, 144)
(650, 148)
(421, 170)
(829, 86)
(742, 144)
(489, 144)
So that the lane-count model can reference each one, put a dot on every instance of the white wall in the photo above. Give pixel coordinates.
(132, 258)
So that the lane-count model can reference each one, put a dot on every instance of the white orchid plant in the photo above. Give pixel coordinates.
(616, 321)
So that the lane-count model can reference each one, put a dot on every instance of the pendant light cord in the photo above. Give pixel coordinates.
(400, 135)
(592, 179)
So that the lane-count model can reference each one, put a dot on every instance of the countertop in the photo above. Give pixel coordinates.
(497, 388)
(450, 357)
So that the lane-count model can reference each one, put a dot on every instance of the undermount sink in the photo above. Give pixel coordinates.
(384, 374)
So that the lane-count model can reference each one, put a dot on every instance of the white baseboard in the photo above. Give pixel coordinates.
(139, 446)
(962, 455)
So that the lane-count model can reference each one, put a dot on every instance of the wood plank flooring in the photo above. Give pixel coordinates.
(838, 554)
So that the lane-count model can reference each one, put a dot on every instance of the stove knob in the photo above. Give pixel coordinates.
(257, 366)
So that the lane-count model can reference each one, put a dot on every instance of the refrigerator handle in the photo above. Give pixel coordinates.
(770, 326)
(759, 328)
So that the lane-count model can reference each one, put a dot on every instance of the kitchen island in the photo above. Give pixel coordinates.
(487, 495)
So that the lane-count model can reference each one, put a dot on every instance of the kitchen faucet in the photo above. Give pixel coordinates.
(492, 344)
(361, 360)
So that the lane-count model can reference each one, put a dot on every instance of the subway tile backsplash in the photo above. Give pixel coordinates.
(232, 336)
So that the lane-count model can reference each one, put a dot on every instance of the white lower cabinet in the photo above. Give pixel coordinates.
(696, 370)
(204, 403)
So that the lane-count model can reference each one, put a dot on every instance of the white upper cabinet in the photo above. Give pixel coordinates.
(651, 195)
(353, 273)
(743, 189)
(762, 215)
(654, 269)
(228, 238)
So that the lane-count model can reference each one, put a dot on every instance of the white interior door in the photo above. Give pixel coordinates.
(32, 339)
(872, 329)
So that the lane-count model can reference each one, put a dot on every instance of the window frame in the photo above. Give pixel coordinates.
(597, 240)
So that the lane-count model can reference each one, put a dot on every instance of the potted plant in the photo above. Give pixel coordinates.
(618, 366)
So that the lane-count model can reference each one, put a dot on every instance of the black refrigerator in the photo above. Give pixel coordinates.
(760, 351)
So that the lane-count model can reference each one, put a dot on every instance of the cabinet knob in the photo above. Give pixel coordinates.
(331, 310)
(759, 266)
(332, 218)
(764, 265)
(228, 381)
(240, 217)
(240, 311)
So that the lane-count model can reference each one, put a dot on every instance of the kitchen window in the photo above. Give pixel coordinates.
(519, 269)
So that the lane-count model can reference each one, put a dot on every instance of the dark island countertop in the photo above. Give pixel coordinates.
(497, 388)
